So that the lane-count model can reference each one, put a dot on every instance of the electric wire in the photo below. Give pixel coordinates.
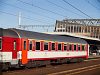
(22, 16)
(42, 8)
(63, 8)
(27, 10)
(77, 9)
(92, 5)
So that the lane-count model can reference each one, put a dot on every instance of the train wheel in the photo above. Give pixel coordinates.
(40, 63)
(67, 60)
(28, 65)
(80, 60)
(63, 61)
(5, 66)
(58, 61)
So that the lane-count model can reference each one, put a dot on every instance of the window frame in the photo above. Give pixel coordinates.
(33, 45)
(14, 45)
(79, 47)
(60, 46)
(65, 47)
(83, 46)
(52, 47)
(24, 43)
(39, 46)
(1, 43)
(30, 43)
(47, 44)
(70, 47)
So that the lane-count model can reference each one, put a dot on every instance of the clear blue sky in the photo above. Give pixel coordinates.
(45, 12)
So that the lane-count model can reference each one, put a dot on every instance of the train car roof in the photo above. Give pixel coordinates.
(17, 33)
(48, 37)
(8, 33)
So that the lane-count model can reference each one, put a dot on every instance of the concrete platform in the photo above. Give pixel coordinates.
(94, 56)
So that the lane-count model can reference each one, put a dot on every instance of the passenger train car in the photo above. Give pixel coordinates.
(30, 49)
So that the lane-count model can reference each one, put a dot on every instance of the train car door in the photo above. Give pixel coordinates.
(24, 51)
(14, 52)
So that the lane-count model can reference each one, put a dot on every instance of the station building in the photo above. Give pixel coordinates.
(83, 28)
(78, 29)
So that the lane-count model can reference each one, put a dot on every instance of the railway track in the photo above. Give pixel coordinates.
(23, 68)
(79, 70)
(64, 69)
(76, 71)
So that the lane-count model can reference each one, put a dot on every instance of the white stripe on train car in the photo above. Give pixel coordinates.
(52, 54)
(5, 56)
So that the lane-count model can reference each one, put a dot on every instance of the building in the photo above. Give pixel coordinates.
(87, 29)
(84, 27)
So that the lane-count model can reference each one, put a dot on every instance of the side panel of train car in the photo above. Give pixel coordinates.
(25, 48)
(9, 47)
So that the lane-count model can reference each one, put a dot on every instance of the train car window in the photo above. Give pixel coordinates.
(30, 45)
(45, 46)
(59, 46)
(83, 48)
(65, 47)
(37, 45)
(75, 47)
(70, 47)
(0, 43)
(53, 46)
(24, 45)
(78, 47)
(14, 43)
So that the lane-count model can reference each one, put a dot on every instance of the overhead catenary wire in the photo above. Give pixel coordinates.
(27, 10)
(98, 1)
(25, 17)
(22, 16)
(92, 4)
(42, 8)
(77, 9)
(37, 25)
(68, 10)
(26, 26)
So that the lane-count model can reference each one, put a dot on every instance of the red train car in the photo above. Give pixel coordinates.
(26, 48)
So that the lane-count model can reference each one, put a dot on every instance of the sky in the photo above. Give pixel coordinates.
(45, 12)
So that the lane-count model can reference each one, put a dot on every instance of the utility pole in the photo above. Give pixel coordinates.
(19, 20)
